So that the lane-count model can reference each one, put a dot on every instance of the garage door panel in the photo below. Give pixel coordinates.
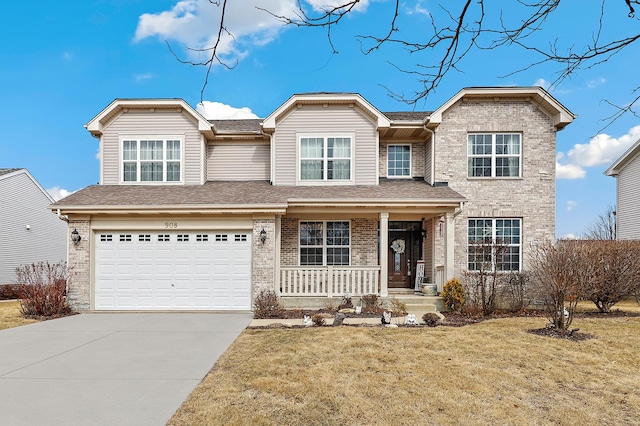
(178, 270)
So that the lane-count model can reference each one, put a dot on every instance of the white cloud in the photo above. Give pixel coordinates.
(569, 237)
(542, 83)
(602, 149)
(592, 84)
(144, 76)
(322, 5)
(418, 9)
(58, 193)
(571, 205)
(194, 23)
(216, 110)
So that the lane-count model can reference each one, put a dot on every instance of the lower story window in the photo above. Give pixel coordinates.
(325, 243)
(494, 244)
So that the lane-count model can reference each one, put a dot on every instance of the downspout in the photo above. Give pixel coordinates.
(61, 216)
(433, 153)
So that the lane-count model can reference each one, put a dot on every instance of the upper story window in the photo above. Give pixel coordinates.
(398, 161)
(151, 160)
(494, 155)
(494, 244)
(325, 158)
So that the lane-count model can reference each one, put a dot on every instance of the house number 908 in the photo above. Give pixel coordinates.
(171, 225)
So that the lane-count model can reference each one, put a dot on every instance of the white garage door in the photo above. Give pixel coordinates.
(173, 270)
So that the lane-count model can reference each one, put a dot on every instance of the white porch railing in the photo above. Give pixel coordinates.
(439, 277)
(329, 281)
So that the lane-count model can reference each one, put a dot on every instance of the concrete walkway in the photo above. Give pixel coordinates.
(109, 369)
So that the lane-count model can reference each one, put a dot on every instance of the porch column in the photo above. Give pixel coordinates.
(449, 244)
(276, 261)
(384, 254)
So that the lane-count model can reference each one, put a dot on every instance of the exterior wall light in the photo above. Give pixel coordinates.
(263, 236)
(75, 236)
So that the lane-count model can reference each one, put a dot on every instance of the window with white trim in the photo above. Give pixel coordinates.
(151, 160)
(494, 155)
(325, 243)
(398, 161)
(325, 158)
(494, 244)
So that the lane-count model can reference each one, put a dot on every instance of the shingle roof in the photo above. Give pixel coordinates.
(238, 125)
(7, 171)
(253, 125)
(407, 115)
(254, 193)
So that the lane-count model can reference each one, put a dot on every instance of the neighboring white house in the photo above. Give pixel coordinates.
(325, 196)
(28, 231)
(626, 170)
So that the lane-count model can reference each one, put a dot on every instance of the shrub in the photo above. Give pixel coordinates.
(318, 320)
(9, 291)
(430, 319)
(515, 291)
(43, 289)
(267, 305)
(453, 295)
(398, 307)
(346, 302)
(371, 302)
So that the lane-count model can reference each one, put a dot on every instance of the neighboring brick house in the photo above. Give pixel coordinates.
(626, 170)
(325, 196)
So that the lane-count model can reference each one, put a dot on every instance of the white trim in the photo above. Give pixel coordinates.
(325, 159)
(495, 156)
(410, 175)
(164, 139)
(324, 240)
(493, 239)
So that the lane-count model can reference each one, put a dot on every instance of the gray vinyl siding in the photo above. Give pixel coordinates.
(22, 203)
(628, 208)
(147, 123)
(321, 120)
(238, 161)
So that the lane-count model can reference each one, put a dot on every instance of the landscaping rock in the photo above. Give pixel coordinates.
(339, 318)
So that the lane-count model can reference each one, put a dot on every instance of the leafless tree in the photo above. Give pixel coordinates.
(605, 226)
(456, 28)
(557, 273)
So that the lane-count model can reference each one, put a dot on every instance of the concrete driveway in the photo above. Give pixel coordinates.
(109, 369)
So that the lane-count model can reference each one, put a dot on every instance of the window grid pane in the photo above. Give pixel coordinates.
(146, 160)
(504, 235)
(493, 155)
(325, 243)
(399, 160)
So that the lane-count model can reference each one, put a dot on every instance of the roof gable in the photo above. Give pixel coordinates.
(351, 99)
(624, 159)
(561, 116)
(7, 173)
(96, 124)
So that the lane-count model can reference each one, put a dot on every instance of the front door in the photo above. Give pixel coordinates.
(400, 259)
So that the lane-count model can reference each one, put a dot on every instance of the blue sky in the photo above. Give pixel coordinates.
(62, 62)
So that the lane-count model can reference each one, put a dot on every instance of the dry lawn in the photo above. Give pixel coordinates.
(10, 315)
(493, 372)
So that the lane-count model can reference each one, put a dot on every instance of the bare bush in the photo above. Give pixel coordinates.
(515, 292)
(557, 273)
(43, 289)
(483, 282)
(267, 305)
(614, 271)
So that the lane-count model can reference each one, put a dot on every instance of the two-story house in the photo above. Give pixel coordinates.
(626, 170)
(325, 196)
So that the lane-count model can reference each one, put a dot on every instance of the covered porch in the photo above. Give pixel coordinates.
(391, 253)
